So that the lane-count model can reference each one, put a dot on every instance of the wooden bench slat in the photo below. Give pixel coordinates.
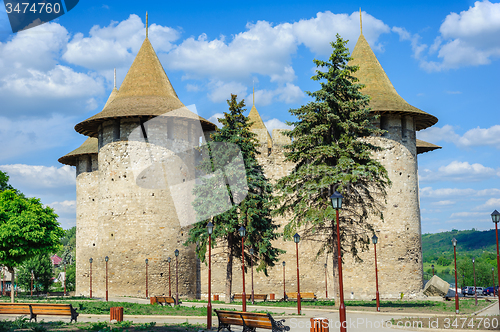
(34, 309)
(249, 320)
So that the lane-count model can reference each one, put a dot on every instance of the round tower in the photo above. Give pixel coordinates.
(85, 160)
(136, 213)
(399, 245)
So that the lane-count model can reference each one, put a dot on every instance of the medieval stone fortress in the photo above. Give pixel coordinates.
(129, 223)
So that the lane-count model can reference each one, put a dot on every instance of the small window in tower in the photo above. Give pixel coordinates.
(94, 244)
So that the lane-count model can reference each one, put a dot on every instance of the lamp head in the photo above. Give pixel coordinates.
(210, 228)
(473, 260)
(251, 251)
(454, 241)
(296, 238)
(106, 258)
(374, 239)
(325, 266)
(284, 263)
(176, 252)
(336, 199)
(147, 261)
(432, 265)
(242, 231)
(169, 259)
(90, 260)
(495, 216)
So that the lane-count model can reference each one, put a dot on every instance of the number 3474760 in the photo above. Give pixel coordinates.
(40, 7)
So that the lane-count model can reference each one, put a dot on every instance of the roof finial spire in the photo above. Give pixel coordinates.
(254, 92)
(146, 24)
(115, 79)
(360, 21)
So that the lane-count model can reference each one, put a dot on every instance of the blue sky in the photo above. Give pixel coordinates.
(442, 57)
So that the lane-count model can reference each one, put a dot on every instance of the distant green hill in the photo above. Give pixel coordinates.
(438, 250)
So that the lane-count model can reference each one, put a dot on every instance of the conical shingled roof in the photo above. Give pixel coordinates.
(423, 146)
(257, 122)
(111, 97)
(146, 92)
(384, 98)
(90, 146)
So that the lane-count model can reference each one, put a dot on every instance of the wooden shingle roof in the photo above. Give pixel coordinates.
(423, 146)
(90, 146)
(384, 98)
(145, 92)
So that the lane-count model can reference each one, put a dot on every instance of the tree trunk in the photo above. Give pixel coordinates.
(12, 279)
(229, 272)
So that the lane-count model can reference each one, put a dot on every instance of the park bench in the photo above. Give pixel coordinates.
(239, 297)
(249, 320)
(161, 300)
(34, 309)
(303, 296)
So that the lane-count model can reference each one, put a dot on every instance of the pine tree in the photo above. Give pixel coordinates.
(332, 150)
(253, 211)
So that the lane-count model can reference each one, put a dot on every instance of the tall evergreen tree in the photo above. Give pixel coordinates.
(333, 152)
(252, 212)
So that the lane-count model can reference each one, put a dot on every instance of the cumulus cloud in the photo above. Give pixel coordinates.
(429, 192)
(214, 119)
(64, 207)
(36, 177)
(32, 81)
(221, 91)
(490, 205)
(443, 203)
(473, 137)
(288, 94)
(116, 44)
(28, 135)
(458, 171)
(468, 38)
(276, 124)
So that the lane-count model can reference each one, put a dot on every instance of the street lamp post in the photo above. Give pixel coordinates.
(336, 199)
(296, 239)
(495, 216)
(326, 281)
(493, 278)
(176, 253)
(147, 293)
(432, 269)
(454, 241)
(169, 274)
(251, 266)
(243, 231)
(210, 229)
(375, 240)
(90, 261)
(106, 259)
(284, 289)
(32, 278)
(64, 278)
(474, 269)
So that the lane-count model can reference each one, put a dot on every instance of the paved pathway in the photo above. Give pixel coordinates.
(358, 321)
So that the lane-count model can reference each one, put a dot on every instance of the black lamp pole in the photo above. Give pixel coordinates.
(169, 281)
(454, 241)
(147, 262)
(210, 229)
(336, 199)
(90, 261)
(296, 239)
(251, 266)
(493, 278)
(106, 259)
(176, 252)
(284, 288)
(242, 231)
(326, 281)
(474, 269)
(375, 240)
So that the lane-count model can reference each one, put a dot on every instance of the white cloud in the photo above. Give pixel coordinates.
(221, 91)
(214, 118)
(467, 39)
(276, 124)
(33, 134)
(36, 177)
(467, 214)
(473, 137)
(414, 39)
(458, 171)
(429, 192)
(288, 93)
(64, 207)
(443, 203)
(490, 205)
(116, 44)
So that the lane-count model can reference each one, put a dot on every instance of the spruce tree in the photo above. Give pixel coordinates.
(332, 151)
(251, 211)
